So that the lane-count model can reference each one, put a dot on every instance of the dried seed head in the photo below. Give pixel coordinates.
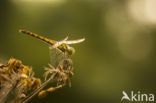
(66, 64)
(28, 84)
(36, 83)
(71, 74)
(13, 63)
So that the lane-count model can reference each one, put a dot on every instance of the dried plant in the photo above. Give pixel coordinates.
(18, 84)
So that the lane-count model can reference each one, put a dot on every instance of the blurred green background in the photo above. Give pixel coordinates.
(118, 53)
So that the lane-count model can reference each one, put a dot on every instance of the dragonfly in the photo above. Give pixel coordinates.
(62, 45)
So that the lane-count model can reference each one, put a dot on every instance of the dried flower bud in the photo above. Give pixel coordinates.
(42, 94)
(51, 89)
(22, 96)
(25, 69)
(24, 76)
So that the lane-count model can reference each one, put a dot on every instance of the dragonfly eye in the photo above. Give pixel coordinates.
(71, 51)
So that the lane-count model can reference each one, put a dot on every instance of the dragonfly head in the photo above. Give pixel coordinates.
(70, 50)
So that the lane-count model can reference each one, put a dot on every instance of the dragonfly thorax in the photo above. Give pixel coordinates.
(67, 49)
(63, 47)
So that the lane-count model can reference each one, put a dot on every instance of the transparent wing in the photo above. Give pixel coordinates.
(55, 56)
(74, 41)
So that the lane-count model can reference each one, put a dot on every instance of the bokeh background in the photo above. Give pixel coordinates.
(118, 54)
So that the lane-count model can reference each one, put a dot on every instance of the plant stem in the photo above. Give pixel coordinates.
(38, 89)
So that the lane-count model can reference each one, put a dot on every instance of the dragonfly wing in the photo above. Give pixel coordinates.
(56, 56)
(74, 41)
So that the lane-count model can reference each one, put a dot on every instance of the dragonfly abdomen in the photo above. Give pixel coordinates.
(51, 42)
